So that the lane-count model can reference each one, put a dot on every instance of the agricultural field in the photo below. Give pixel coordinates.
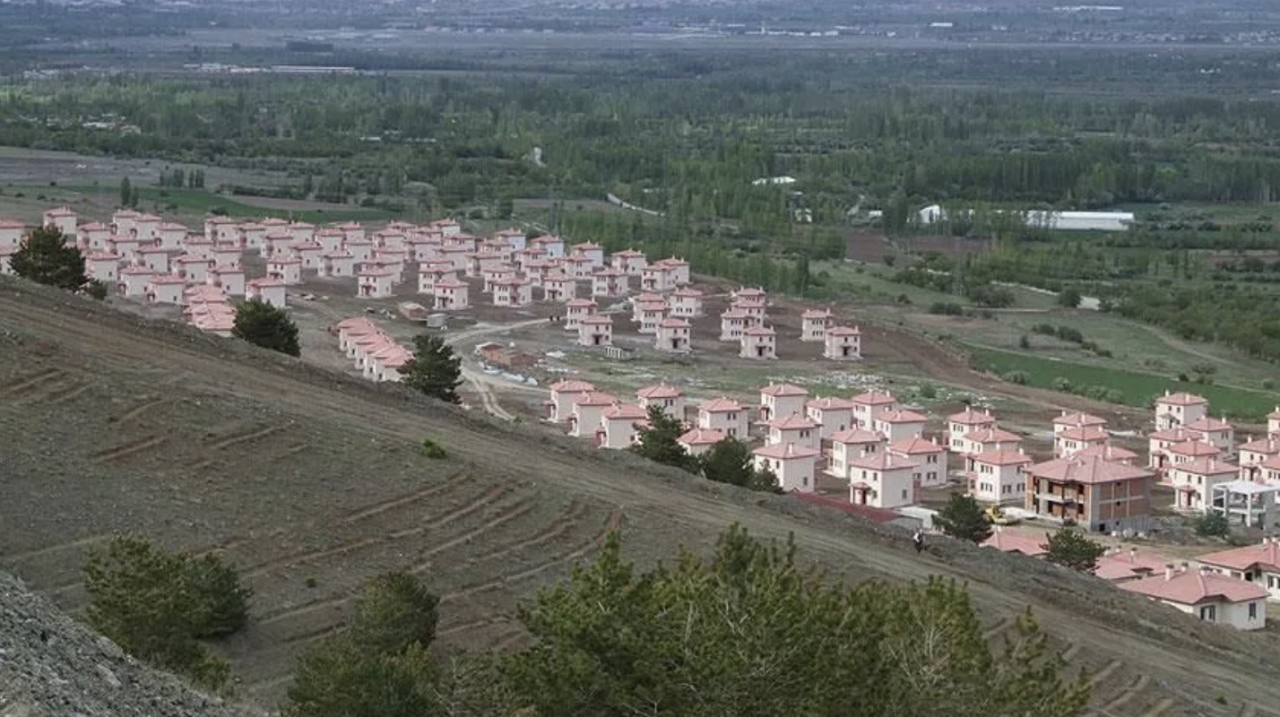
(310, 481)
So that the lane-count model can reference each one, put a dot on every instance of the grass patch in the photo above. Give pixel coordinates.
(1133, 388)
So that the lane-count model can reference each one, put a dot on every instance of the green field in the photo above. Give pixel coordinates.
(1137, 388)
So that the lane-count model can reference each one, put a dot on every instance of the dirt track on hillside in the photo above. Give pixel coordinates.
(112, 423)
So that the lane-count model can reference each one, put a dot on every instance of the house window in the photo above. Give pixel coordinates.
(804, 480)
(904, 497)
(1253, 611)
(1209, 613)
(933, 475)
(1271, 581)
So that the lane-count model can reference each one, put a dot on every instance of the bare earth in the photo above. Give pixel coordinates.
(112, 423)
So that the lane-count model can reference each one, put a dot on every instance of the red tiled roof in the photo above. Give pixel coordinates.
(1269, 446)
(1087, 434)
(1127, 564)
(1207, 466)
(1181, 399)
(830, 403)
(853, 436)
(1194, 448)
(916, 446)
(1002, 458)
(1079, 420)
(793, 422)
(720, 405)
(701, 437)
(786, 450)
(1011, 542)
(843, 331)
(1190, 587)
(970, 417)
(1265, 555)
(1209, 424)
(625, 411)
(901, 417)
(1086, 469)
(660, 390)
(595, 398)
(758, 331)
(1108, 452)
(874, 398)
(882, 461)
(782, 390)
(992, 435)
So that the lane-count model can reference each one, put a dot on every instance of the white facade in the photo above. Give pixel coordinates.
(793, 465)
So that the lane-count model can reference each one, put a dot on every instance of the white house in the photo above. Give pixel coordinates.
(595, 330)
(958, 424)
(651, 314)
(374, 284)
(851, 444)
(578, 266)
(1174, 410)
(897, 425)
(267, 290)
(998, 476)
(134, 281)
(842, 343)
(285, 270)
(228, 278)
(590, 250)
(700, 440)
(1254, 453)
(165, 289)
(192, 268)
(553, 245)
(1080, 221)
(1193, 482)
(882, 480)
(628, 261)
(987, 439)
(101, 267)
(560, 287)
(781, 399)
(11, 234)
(723, 414)
(620, 426)
(833, 414)
(867, 405)
(664, 396)
(515, 292)
(451, 295)
(575, 310)
(588, 410)
(929, 456)
(563, 394)
(794, 428)
(732, 323)
(1218, 432)
(337, 264)
(813, 324)
(759, 342)
(685, 303)
(794, 465)
(62, 218)
(1211, 596)
(1258, 564)
(1070, 441)
(673, 336)
(609, 283)
(1068, 420)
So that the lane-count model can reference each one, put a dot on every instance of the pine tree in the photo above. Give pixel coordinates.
(126, 192)
(46, 257)
(264, 325)
(659, 441)
(434, 369)
(962, 517)
(1072, 549)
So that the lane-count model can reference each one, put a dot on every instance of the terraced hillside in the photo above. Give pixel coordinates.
(307, 477)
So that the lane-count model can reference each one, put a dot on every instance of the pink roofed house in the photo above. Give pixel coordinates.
(226, 255)
(1010, 541)
(122, 221)
(1218, 432)
(610, 283)
(165, 289)
(94, 236)
(1174, 410)
(1193, 482)
(967, 420)
(362, 250)
(882, 480)
(656, 278)
(1108, 452)
(497, 273)
(749, 293)
(929, 455)
(640, 302)
(559, 287)
(158, 260)
(723, 414)
(375, 283)
(849, 445)
(1188, 451)
(276, 244)
(1159, 443)
(103, 267)
(514, 292)
(620, 426)
(309, 252)
(267, 290)
(451, 295)
(664, 396)
(677, 271)
(795, 428)
(685, 303)
(1258, 564)
(125, 247)
(353, 231)
(1095, 493)
(213, 318)
(833, 414)
(1077, 420)
(867, 405)
(1122, 566)
(986, 440)
(575, 310)
(590, 250)
(553, 245)
(193, 268)
(432, 271)
(1273, 423)
(134, 281)
(229, 278)
(563, 394)
(793, 465)
(252, 236)
(479, 261)
(755, 310)
(578, 266)
(842, 343)
(1210, 596)
(595, 330)
(781, 399)
(588, 412)
(700, 440)
(388, 362)
(302, 231)
(998, 476)
(11, 234)
(337, 264)
(758, 343)
(898, 424)
(197, 245)
(62, 218)
(813, 324)
(1253, 454)
(651, 314)
(331, 239)
(287, 271)
(629, 262)
(1070, 441)
(673, 336)
(516, 239)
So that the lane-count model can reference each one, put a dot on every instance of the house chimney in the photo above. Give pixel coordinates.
(1205, 570)
(1185, 566)
(1168, 571)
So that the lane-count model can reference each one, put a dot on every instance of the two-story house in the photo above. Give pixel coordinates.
(1258, 564)
(999, 477)
(1090, 491)
(781, 399)
(723, 414)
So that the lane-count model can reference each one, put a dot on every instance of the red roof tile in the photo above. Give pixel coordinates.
(1190, 587)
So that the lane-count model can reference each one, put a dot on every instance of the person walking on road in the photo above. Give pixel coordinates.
(918, 540)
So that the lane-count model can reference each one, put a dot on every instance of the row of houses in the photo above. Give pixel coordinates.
(374, 354)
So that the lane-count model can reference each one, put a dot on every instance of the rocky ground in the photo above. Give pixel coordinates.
(52, 666)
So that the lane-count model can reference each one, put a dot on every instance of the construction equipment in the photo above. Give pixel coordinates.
(997, 516)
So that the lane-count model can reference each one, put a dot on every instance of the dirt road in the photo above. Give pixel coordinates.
(111, 423)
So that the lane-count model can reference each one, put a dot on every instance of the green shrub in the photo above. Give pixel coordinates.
(1019, 377)
(433, 450)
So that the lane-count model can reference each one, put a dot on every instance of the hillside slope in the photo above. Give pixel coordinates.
(310, 482)
(51, 666)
